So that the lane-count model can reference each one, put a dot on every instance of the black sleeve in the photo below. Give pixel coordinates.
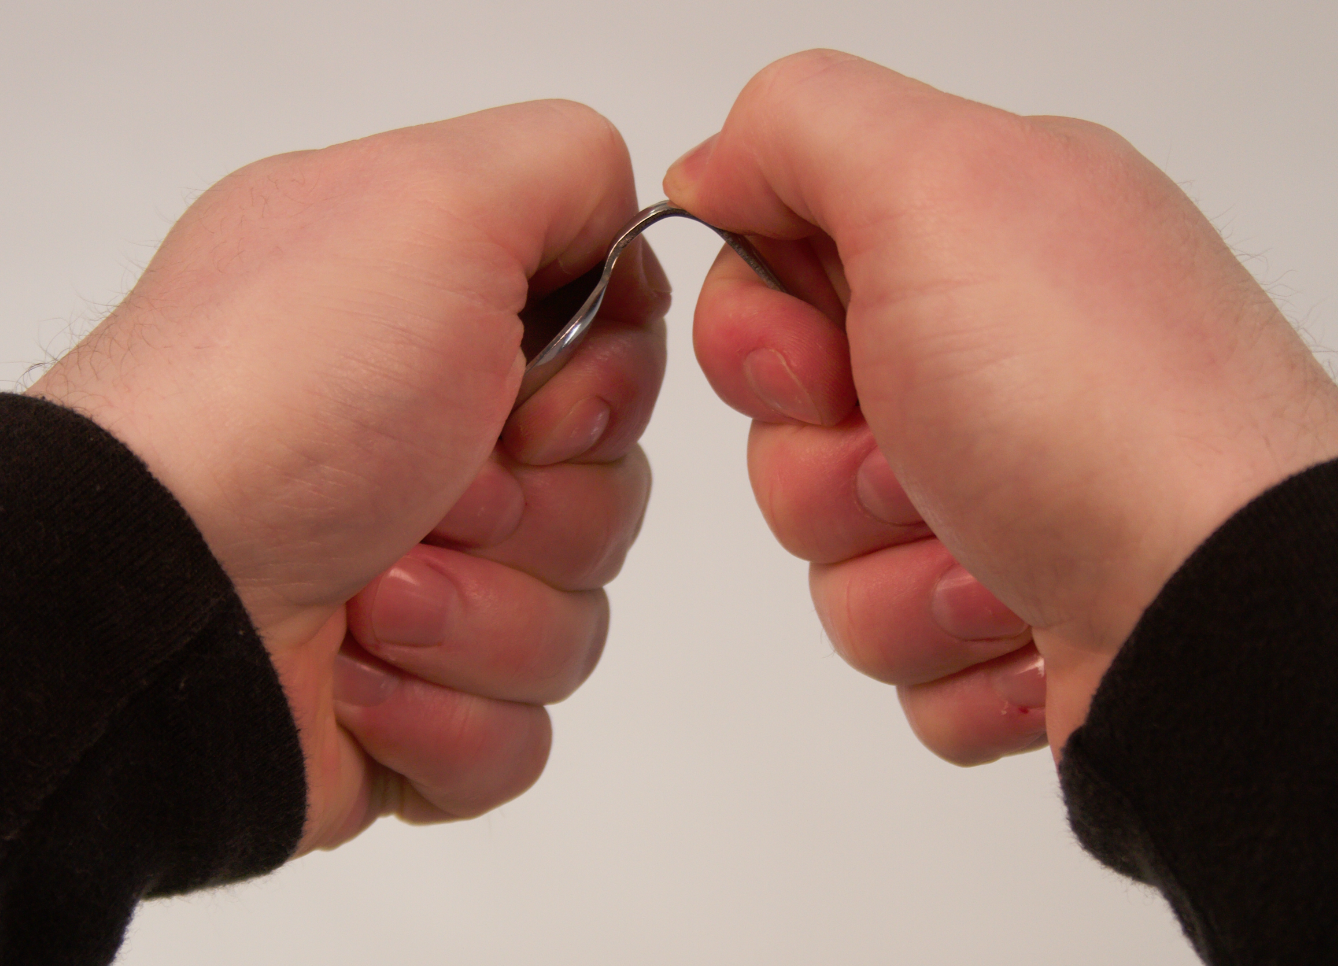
(1208, 764)
(146, 746)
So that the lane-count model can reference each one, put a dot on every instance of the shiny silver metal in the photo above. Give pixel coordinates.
(549, 360)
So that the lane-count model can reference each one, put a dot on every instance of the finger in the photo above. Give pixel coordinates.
(911, 614)
(824, 145)
(596, 408)
(827, 492)
(459, 753)
(639, 291)
(488, 512)
(984, 713)
(775, 356)
(577, 523)
(598, 405)
(481, 627)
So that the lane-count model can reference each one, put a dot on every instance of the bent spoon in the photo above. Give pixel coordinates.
(546, 362)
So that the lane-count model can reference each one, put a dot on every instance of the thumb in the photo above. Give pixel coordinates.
(815, 140)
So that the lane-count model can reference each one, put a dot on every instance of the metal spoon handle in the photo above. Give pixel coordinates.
(552, 357)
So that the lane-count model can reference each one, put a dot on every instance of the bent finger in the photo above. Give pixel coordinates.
(596, 408)
(775, 356)
(473, 625)
(460, 754)
(911, 614)
(983, 713)
(827, 492)
(576, 521)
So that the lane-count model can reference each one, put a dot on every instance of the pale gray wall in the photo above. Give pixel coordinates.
(724, 790)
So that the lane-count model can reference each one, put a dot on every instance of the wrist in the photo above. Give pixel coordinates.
(1206, 477)
(155, 435)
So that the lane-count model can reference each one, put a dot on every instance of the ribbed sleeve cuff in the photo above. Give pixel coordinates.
(146, 745)
(1208, 764)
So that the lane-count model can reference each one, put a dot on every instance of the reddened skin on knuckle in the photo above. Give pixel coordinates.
(529, 761)
(277, 204)
(608, 539)
(971, 169)
(564, 668)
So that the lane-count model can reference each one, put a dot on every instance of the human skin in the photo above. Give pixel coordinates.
(320, 363)
(1024, 378)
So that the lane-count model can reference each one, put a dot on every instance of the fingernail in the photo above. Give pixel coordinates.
(778, 388)
(880, 494)
(691, 165)
(578, 431)
(356, 682)
(962, 607)
(1021, 686)
(653, 272)
(487, 512)
(414, 604)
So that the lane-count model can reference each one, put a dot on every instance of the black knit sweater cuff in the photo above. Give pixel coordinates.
(1208, 764)
(146, 745)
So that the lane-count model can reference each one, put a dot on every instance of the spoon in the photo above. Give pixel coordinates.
(546, 363)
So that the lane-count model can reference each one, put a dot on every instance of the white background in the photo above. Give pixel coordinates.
(724, 790)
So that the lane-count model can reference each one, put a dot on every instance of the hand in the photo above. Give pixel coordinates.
(319, 362)
(1070, 379)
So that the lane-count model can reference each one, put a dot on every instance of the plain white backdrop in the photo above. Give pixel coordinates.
(724, 790)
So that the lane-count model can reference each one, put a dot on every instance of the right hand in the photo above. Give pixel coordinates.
(319, 362)
(1065, 382)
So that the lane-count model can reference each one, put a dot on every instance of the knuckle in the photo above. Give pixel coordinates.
(609, 533)
(959, 159)
(574, 660)
(854, 611)
(585, 117)
(241, 220)
(284, 182)
(933, 728)
(832, 597)
(768, 492)
(792, 526)
(498, 756)
(774, 474)
(609, 542)
(564, 653)
(966, 158)
(781, 76)
(577, 122)
(1079, 133)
